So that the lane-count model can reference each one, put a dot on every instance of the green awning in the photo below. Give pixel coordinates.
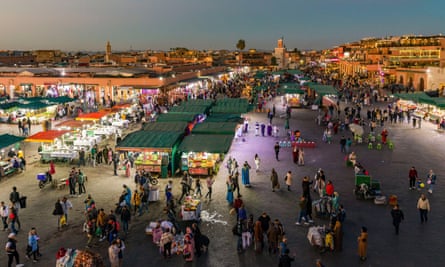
(144, 139)
(416, 97)
(199, 102)
(323, 89)
(164, 117)
(224, 117)
(9, 105)
(225, 128)
(206, 143)
(176, 126)
(33, 105)
(439, 102)
(186, 108)
(61, 100)
(7, 140)
(231, 105)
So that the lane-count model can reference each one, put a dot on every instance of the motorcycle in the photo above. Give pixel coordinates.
(151, 179)
(44, 179)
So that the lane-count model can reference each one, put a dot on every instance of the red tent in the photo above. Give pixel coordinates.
(73, 124)
(47, 137)
(94, 116)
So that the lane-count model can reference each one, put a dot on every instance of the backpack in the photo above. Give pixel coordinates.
(58, 209)
(118, 226)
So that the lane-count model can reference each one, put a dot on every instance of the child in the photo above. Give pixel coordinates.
(329, 241)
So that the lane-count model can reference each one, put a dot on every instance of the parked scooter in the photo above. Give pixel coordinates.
(44, 179)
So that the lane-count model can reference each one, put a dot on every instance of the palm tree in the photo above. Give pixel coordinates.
(241, 45)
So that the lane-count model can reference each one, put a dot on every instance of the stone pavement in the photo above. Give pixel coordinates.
(416, 244)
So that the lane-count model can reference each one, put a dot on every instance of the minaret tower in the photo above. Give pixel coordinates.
(107, 52)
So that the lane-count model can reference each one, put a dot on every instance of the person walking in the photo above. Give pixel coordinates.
(277, 150)
(125, 218)
(11, 250)
(33, 245)
(209, 182)
(113, 254)
(431, 181)
(301, 157)
(412, 175)
(288, 180)
(257, 162)
(258, 238)
(4, 213)
(302, 215)
(338, 236)
(81, 182)
(72, 180)
(285, 260)
(274, 180)
(229, 194)
(235, 182)
(52, 168)
(198, 187)
(343, 144)
(423, 205)
(363, 243)
(397, 217)
(14, 197)
(245, 174)
(166, 243)
(121, 246)
(66, 205)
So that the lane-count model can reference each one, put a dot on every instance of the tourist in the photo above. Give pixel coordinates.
(235, 182)
(229, 194)
(277, 150)
(14, 197)
(257, 162)
(125, 218)
(272, 239)
(338, 236)
(4, 213)
(285, 260)
(301, 157)
(113, 254)
(66, 206)
(198, 187)
(258, 237)
(209, 182)
(121, 245)
(288, 180)
(303, 208)
(412, 175)
(11, 250)
(397, 217)
(274, 180)
(363, 244)
(81, 182)
(423, 205)
(166, 243)
(245, 174)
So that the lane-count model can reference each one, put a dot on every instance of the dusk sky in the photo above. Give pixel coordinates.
(72, 25)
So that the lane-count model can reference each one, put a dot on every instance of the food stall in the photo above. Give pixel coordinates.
(75, 257)
(191, 209)
(52, 146)
(201, 153)
(8, 143)
(293, 95)
(155, 152)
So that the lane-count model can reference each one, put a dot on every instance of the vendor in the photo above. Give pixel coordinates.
(353, 158)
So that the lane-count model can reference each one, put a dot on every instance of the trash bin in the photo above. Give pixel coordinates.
(22, 202)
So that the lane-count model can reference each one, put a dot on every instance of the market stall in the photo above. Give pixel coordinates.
(8, 146)
(230, 105)
(155, 151)
(75, 257)
(72, 125)
(293, 95)
(191, 209)
(201, 153)
(52, 146)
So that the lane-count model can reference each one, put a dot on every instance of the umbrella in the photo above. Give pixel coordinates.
(356, 129)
